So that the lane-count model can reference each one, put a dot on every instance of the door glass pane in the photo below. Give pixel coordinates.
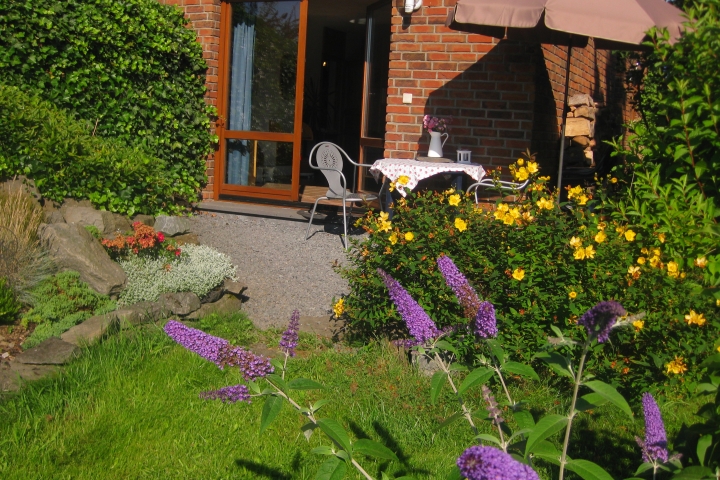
(378, 64)
(370, 154)
(263, 64)
(259, 163)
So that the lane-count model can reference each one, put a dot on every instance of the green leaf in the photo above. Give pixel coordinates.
(477, 376)
(588, 470)
(610, 393)
(547, 426)
(694, 473)
(547, 451)
(277, 364)
(319, 404)
(558, 363)
(454, 474)
(436, 384)
(497, 351)
(590, 401)
(520, 369)
(271, 409)
(488, 438)
(524, 419)
(308, 429)
(336, 432)
(703, 444)
(445, 345)
(332, 469)
(449, 421)
(374, 449)
(304, 384)
(278, 381)
(323, 450)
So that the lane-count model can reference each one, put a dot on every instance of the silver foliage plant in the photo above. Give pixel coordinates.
(199, 270)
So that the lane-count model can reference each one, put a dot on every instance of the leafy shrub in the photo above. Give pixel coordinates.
(541, 267)
(62, 302)
(144, 242)
(23, 263)
(9, 307)
(199, 270)
(131, 69)
(63, 157)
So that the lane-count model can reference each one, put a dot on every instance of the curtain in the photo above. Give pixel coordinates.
(240, 108)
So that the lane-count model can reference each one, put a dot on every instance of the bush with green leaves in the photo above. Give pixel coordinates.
(65, 159)
(131, 70)
(60, 303)
(9, 306)
(199, 270)
(542, 266)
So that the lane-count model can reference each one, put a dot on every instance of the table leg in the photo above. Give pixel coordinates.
(458, 181)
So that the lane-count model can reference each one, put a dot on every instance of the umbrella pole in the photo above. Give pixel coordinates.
(564, 120)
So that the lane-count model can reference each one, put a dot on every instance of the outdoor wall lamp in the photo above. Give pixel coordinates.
(411, 5)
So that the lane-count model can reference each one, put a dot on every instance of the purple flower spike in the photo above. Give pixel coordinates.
(290, 336)
(421, 327)
(489, 463)
(252, 366)
(465, 294)
(485, 322)
(231, 394)
(654, 447)
(599, 320)
(207, 346)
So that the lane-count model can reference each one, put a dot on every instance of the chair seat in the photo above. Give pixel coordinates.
(352, 197)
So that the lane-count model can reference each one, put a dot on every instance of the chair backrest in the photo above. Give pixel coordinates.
(327, 156)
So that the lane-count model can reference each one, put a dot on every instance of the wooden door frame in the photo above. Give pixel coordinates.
(219, 186)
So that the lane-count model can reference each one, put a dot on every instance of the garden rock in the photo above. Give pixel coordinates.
(72, 247)
(22, 183)
(52, 351)
(180, 303)
(54, 216)
(425, 366)
(188, 238)
(90, 330)
(106, 222)
(172, 226)
(141, 313)
(213, 295)
(236, 288)
(321, 326)
(148, 220)
(13, 374)
(226, 305)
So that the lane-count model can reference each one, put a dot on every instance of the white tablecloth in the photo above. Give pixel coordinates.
(393, 168)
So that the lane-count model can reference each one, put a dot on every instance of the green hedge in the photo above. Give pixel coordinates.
(65, 160)
(131, 69)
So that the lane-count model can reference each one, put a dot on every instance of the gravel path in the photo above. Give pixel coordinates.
(282, 270)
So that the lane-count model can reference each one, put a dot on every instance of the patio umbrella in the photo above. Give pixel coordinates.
(614, 24)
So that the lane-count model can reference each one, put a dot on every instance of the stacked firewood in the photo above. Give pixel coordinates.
(580, 131)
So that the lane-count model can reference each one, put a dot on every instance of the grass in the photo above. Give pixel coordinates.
(129, 408)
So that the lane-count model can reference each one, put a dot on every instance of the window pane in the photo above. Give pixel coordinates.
(259, 163)
(263, 64)
(378, 64)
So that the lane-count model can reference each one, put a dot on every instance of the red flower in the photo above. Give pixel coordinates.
(177, 252)
(160, 237)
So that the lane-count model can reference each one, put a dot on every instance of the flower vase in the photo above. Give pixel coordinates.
(436, 144)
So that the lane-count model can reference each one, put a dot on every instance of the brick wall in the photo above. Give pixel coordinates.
(504, 96)
(204, 17)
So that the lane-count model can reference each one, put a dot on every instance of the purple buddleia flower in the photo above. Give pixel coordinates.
(290, 336)
(252, 366)
(207, 346)
(599, 320)
(654, 447)
(492, 405)
(490, 463)
(231, 394)
(485, 322)
(465, 294)
(421, 327)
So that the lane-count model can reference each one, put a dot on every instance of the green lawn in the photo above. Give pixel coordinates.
(129, 408)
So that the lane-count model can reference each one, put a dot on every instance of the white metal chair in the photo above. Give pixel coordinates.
(501, 185)
(328, 159)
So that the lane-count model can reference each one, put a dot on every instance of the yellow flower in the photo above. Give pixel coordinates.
(383, 216)
(718, 349)
(600, 237)
(409, 236)
(602, 226)
(701, 262)
(449, 191)
(518, 274)
(613, 180)
(717, 302)
(575, 242)
(677, 366)
(590, 251)
(656, 251)
(527, 216)
(521, 174)
(532, 167)
(520, 161)
(673, 269)
(384, 226)
(630, 235)
(339, 307)
(694, 318)
(574, 192)
(460, 224)
(514, 212)
(454, 200)
(661, 237)
(508, 219)
(393, 238)
(644, 251)
(391, 187)
(579, 254)
(620, 229)
(572, 294)
(641, 260)
(503, 207)
(545, 203)
(402, 180)
(655, 261)
(634, 271)
(638, 324)
(582, 200)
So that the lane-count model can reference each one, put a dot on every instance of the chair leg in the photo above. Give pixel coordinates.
(312, 214)
(345, 224)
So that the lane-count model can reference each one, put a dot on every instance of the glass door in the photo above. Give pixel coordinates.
(377, 68)
(260, 98)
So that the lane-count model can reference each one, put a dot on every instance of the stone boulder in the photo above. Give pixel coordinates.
(90, 330)
(148, 220)
(106, 222)
(52, 351)
(180, 303)
(141, 313)
(226, 305)
(172, 226)
(71, 247)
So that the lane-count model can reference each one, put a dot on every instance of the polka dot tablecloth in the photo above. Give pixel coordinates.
(415, 171)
